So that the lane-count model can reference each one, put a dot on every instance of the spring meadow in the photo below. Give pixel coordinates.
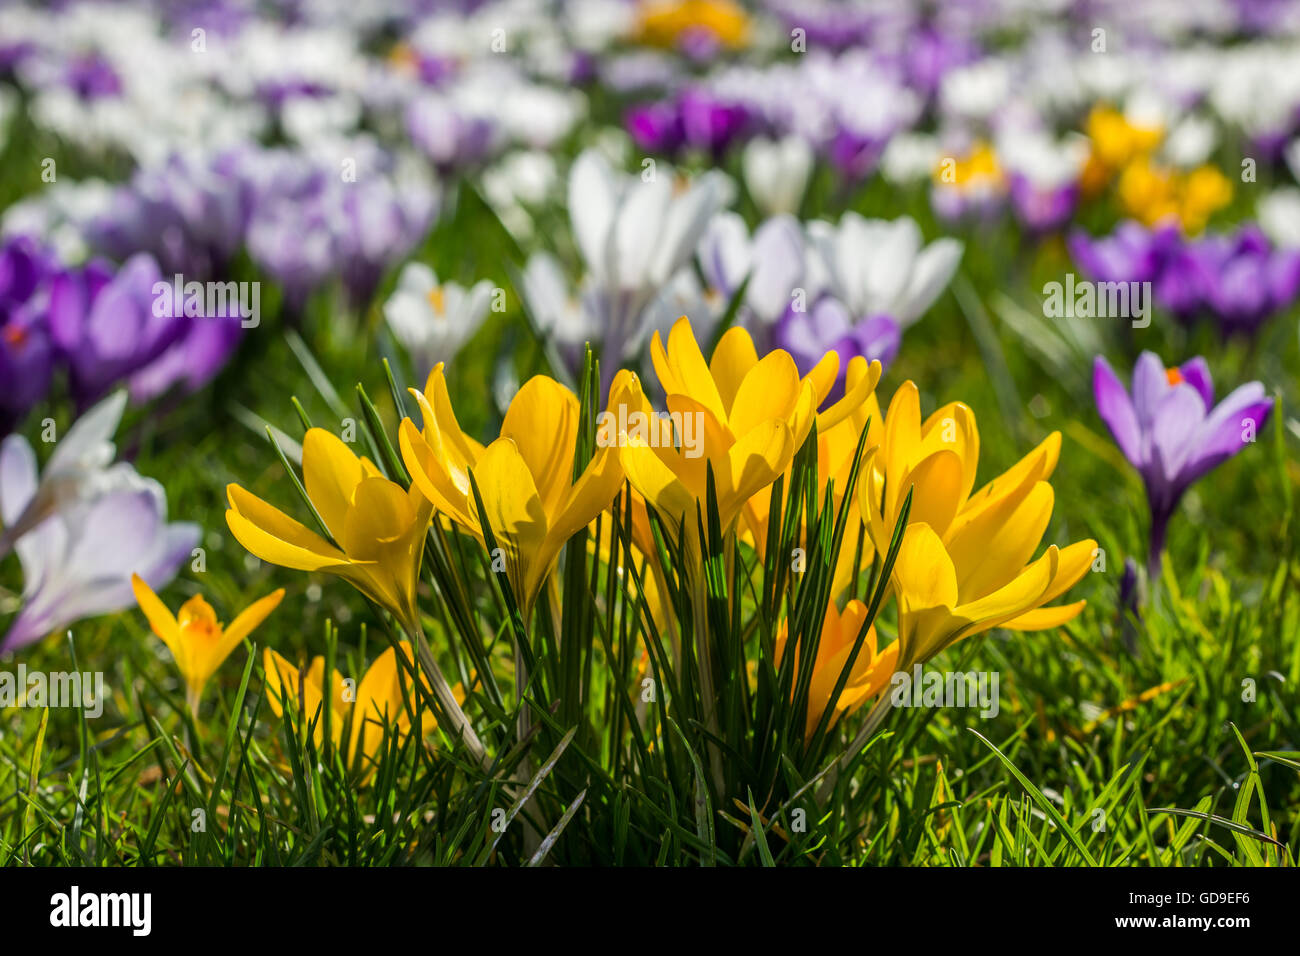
(797, 433)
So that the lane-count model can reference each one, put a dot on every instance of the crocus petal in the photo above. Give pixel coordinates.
(1116, 410)
(18, 478)
(731, 362)
(331, 472)
(273, 536)
(1225, 431)
(1045, 618)
(992, 549)
(1024, 592)
(1176, 420)
(1196, 373)
(930, 275)
(246, 621)
(592, 207)
(682, 370)
(1150, 383)
(542, 421)
(161, 620)
(89, 442)
(769, 391)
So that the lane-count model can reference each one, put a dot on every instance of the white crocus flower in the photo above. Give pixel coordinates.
(878, 267)
(684, 295)
(434, 320)
(773, 259)
(911, 158)
(554, 307)
(1191, 142)
(1293, 157)
(634, 233)
(777, 172)
(1279, 217)
(1043, 161)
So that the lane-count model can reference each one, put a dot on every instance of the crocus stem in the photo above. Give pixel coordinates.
(1159, 528)
(869, 727)
(703, 655)
(446, 699)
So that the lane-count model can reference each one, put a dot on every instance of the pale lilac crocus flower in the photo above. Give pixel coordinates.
(1171, 431)
(94, 529)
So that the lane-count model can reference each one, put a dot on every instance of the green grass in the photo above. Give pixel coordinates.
(1076, 768)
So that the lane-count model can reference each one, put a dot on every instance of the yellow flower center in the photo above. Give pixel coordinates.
(438, 300)
(197, 620)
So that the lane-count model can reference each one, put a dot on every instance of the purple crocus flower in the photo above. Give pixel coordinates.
(1242, 279)
(1238, 280)
(931, 53)
(1042, 209)
(1171, 431)
(192, 361)
(854, 154)
(828, 327)
(105, 325)
(190, 214)
(710, 123)
(1133, 253)
(26, 353)
(452, 138)
(696, 119)
(655, 127)
(91, 77)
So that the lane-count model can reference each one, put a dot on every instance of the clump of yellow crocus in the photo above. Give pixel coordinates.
(753, 415)
(378, 527)
(871, 671)
(668, 22)
(1153, 194)
(1116, 142)
(525, 477)
(964, 565)
(197, 640)
(383, 702)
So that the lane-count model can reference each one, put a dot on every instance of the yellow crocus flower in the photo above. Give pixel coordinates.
(383, 702)
(836, 446)
(525, 477)
(1153, 194)
(197, 640)
(1116, 142)
(752, 415)
(964, 564)
(667, 22)
(978, 170)
(378, 527)
(872, 670)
